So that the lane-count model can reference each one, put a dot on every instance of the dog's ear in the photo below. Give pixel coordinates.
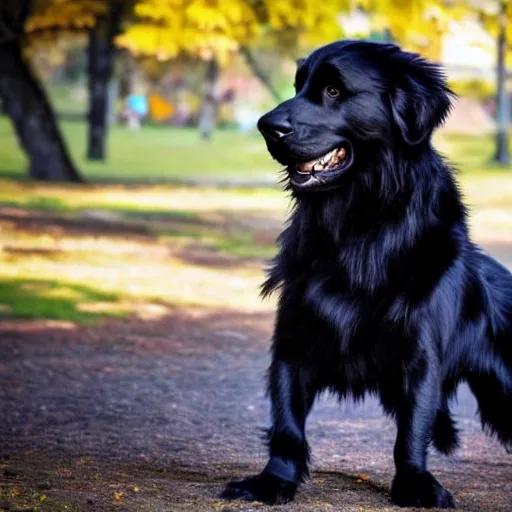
(420, 97)
(299, 62)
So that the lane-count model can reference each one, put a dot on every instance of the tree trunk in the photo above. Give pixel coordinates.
(127, 77)
(502, 104)
(101, 54)
(259, 73)
(34, 122)
(207, 117)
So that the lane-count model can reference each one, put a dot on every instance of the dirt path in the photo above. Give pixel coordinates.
(156, 416)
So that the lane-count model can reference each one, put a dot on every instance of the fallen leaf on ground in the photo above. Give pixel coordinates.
(118, 496)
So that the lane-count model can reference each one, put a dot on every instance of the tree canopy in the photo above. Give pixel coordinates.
(215, 28)
(48, 16)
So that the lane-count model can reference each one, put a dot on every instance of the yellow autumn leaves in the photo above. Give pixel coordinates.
(64, 14)
(217, 28)
(201, 27)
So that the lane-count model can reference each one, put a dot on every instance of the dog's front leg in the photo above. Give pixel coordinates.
(291, 398)
(414, 485)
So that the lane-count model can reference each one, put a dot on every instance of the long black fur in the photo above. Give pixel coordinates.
(381, 290)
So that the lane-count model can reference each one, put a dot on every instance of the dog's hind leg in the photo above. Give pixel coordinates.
(413, 485)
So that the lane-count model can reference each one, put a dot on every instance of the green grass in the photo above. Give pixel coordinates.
(53, 300)
(68, 100)
(471, 154)
(154, 154)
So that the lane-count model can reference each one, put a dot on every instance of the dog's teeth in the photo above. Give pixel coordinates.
(325, 162)
(328, 156)
(305, 168)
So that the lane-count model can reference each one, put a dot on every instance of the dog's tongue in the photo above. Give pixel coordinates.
(325, 162)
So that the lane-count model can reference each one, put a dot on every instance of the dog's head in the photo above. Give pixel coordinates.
(352, 98)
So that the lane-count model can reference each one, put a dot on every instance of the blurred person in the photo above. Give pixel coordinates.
(135, 110)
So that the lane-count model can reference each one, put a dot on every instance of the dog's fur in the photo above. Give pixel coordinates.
(381, 289)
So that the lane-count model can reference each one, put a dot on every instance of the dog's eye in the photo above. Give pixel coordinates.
(332, 92)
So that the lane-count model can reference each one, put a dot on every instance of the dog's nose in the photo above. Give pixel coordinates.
(274, 127)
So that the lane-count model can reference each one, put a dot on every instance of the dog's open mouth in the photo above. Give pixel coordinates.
(330, 160)
(322, 172)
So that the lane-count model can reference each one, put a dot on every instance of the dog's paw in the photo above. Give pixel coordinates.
(420, 489)
(264, 487)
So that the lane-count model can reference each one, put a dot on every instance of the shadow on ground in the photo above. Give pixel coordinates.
(248, 237)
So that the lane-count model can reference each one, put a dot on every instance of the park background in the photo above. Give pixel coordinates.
(138, 206)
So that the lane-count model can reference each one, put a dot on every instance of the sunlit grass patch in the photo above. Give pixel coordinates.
(46, 203)
(54, 300)
(244, 245)
(193, 263)
(215, 218)
(156, 200)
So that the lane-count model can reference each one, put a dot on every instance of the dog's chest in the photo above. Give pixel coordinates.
(346, 337)
(351, 319)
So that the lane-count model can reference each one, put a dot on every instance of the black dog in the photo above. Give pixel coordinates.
(381, 289)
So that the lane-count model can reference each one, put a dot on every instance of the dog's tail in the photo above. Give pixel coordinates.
(490, 373)
(493, 393)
